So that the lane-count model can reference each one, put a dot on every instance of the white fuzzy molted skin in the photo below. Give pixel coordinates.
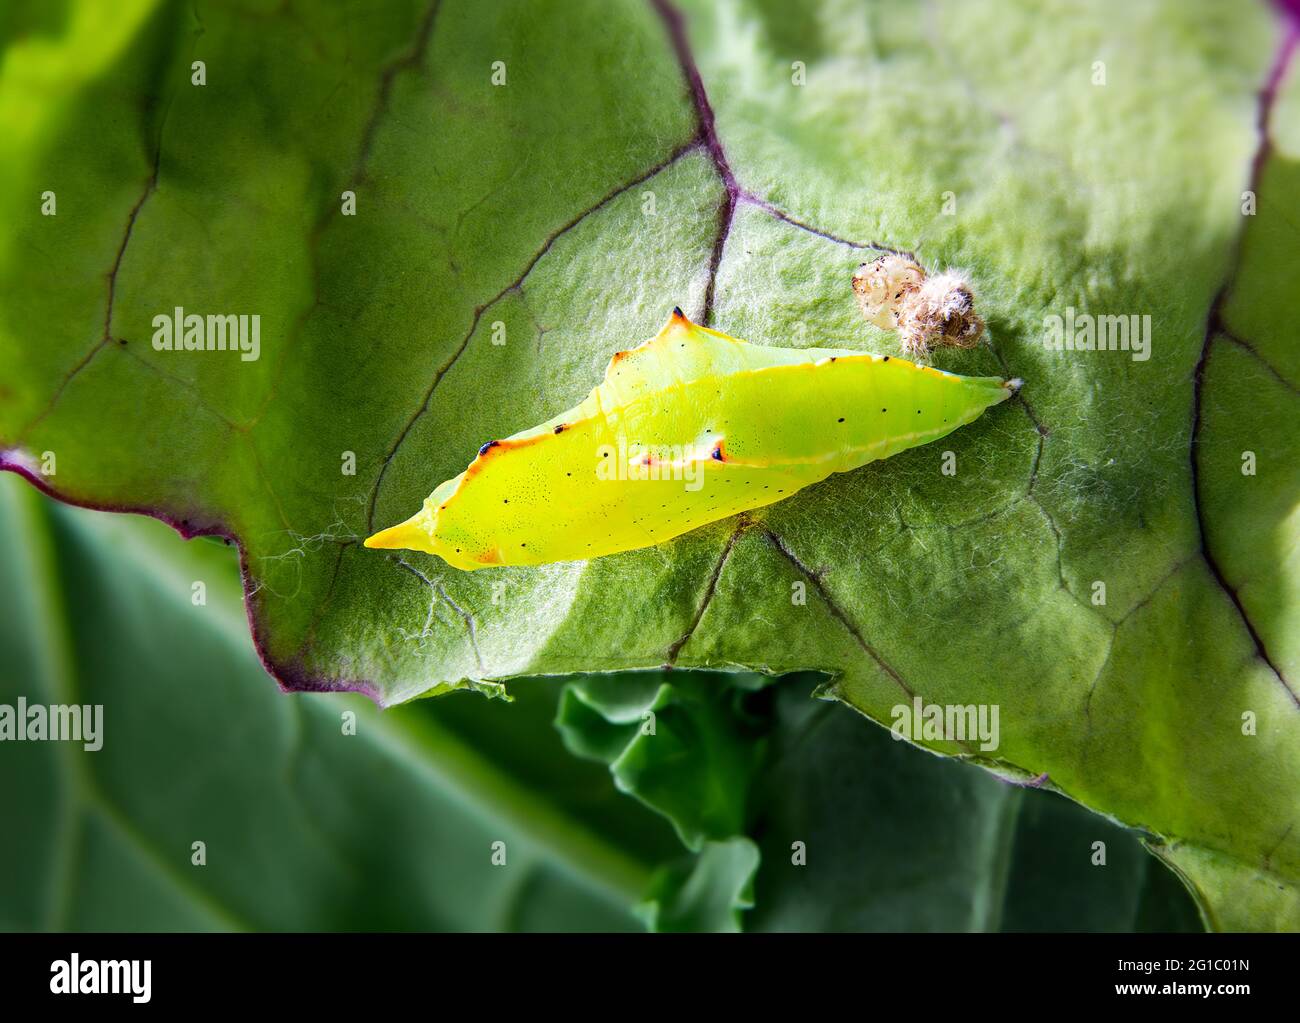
(882, 287)
(895, 293)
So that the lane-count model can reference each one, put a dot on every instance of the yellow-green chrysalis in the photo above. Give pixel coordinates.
(690, 427)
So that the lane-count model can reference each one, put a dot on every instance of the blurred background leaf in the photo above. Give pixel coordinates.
(305, 827)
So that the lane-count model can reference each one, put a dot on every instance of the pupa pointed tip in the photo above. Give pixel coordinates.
(679, 316)
(392, 539)
(409, 535)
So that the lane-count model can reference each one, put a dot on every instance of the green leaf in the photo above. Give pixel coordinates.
(102, 607)
(893, 840)
(708, 892)
(305, 827)
(524, 207)
(684, 747)
(857, 831)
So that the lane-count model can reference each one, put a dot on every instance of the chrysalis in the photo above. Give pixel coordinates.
(689, 427)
